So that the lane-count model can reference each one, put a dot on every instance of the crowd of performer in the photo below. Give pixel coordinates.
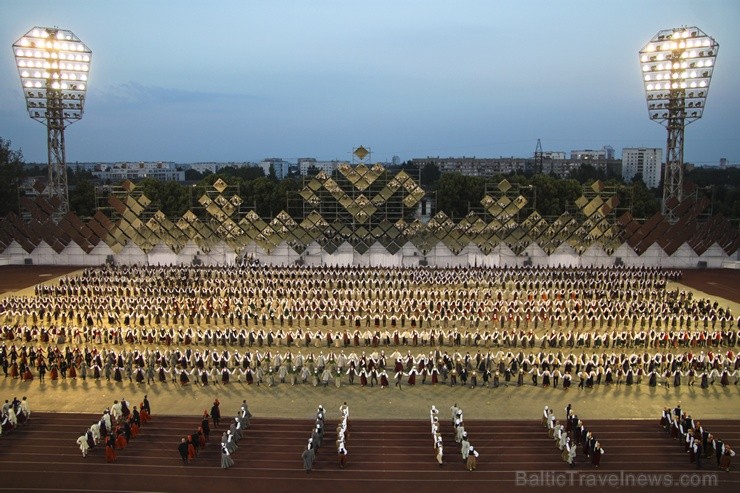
(554, 327)
(191, 444)
(338, 339)
(231, 437)
(570, 435)
(315, 440)
(161, 303)
(321, 325)
(436, 435)
(469, 454)
(697, 441)
(475, 367)
(116, 427)
(251, 323)
(13, 414)
(342, 434)
(491, 308)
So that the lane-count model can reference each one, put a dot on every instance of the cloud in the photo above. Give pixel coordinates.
(133, 95)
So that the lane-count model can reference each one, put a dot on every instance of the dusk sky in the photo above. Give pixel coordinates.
(192, 81)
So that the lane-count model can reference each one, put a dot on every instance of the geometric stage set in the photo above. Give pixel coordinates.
(364, 215)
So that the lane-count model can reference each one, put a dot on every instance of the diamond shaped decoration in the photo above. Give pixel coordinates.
(220, 185)
(205, 200)
(128, 185)
(361, 153)
(409, 201)
(228, 208)
(362, 247)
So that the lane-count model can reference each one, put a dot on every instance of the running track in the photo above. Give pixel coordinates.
(384, 456)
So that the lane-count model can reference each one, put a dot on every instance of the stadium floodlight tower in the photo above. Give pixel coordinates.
(677, 66)
(54, 65)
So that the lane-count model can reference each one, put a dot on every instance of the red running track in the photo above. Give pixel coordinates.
(384, 456)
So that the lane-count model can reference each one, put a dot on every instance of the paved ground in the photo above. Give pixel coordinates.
(20, 277)
(300, 401)
(721, 283)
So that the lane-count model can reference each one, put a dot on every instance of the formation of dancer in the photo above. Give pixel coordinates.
(13, 414)
(554, 327)
(342, 435)
(570, 435)
(474, 367)
(482, 326)
(469, 454)
(231, 437)
(560, 434)
(436, 435)
(116, 427)
(177, 304)
(191, 444)
(315, 441)
(697, 441)
(251, 323)
(616, 337)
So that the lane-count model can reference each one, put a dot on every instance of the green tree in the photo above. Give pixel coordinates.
(547, 202)
(457, 194)
(78, 176)
(721, 186)
(312, 170)
(34, 171)
(259, 194)
(410, 167)
(82, 197)
(555, 196)
(242, 172)
(587, 173)
(430, 174)
(707, 176)
(170, 197)
(642, 202)
(725, 200)
(195, 175)
(11, 170)
(286, 188)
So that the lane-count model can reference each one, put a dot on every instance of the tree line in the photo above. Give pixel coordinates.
(453, 193)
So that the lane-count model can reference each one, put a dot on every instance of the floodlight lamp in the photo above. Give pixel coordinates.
(53, 65)
(677, 67)
(673, 55)
(52, 55)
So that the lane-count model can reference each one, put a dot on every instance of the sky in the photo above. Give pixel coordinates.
(243, 80)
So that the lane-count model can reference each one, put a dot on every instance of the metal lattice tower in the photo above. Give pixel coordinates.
(53, 65)
(677, 67)
(538, 157)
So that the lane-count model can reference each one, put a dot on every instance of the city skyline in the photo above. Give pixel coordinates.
(250, 80)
